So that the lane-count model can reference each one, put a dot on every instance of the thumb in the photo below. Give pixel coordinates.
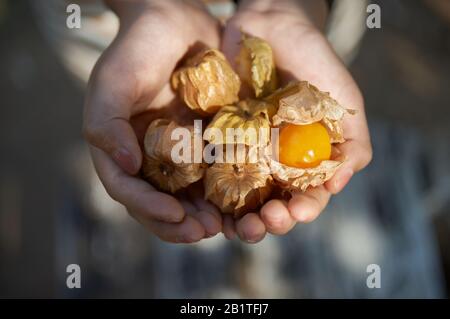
(106, 126)
(116, 137)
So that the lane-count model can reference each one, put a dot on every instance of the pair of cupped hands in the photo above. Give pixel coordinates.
(130, 86)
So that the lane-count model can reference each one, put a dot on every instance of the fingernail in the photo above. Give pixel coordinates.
(126, 161)
(230, 237)
(185, 239)
(345, 177)
(250, 239)
(210, 226)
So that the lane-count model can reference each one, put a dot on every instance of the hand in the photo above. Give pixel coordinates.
(128, 88)
(292, 28)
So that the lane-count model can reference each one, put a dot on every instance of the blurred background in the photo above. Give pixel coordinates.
(396, 213)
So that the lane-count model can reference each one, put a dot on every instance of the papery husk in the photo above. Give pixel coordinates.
(247, 114)
(293, 178)
(207, 82)
(256, 65)
(238, 188)
(302, 103)
(158, 167)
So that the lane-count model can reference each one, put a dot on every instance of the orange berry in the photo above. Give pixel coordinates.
(304, 146)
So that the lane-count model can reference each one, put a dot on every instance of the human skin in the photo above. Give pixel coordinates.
(129, 87)
(294, 29)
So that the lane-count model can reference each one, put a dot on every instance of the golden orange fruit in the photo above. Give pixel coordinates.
(304, 146)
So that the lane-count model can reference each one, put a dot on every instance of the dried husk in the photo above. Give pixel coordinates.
(238, 188)
(256, 65)
(245, 115)
(158, 167)
(302, 103)
(207, 82)
(292, 178)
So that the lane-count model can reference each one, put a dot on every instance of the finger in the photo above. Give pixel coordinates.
(116, 137)
(209, 222)
(306, 206)
(230, 42)
(107, 112)
(249, 23)
(276, 217)
(206, 213)
(187, 231)
(251, 228)
(135, 194)
(108, 109)
(188, 207)
(206, 206)
(124, 82)
(357, 155)
(229, 230)
(196, 195)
